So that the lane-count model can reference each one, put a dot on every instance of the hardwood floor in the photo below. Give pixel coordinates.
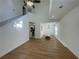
(40, 49)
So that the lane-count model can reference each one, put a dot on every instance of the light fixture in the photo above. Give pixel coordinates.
(61, 6)
(59, 3)
(53, 16)
(29, 3)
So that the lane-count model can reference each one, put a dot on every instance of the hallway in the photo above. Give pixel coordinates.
(41, 49)
(15, 31)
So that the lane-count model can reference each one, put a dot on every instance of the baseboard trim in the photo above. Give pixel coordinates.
(13, 49)
(72, 52)
(65, 45)
(61, 41)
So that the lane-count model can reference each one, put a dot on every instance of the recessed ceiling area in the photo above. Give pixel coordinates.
(59, 8)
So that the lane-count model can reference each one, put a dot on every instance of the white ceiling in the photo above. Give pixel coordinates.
(57, 13)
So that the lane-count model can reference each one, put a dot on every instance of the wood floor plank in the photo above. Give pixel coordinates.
(41, 49)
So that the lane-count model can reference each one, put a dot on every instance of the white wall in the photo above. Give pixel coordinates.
(13, 34)
(17, 6)
(10, 9)
(69, 30)
(39, 15)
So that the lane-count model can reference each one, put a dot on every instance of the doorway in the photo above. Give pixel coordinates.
(48, 29)
(31, 30)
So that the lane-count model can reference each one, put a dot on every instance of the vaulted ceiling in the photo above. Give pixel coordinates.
(59, 8)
